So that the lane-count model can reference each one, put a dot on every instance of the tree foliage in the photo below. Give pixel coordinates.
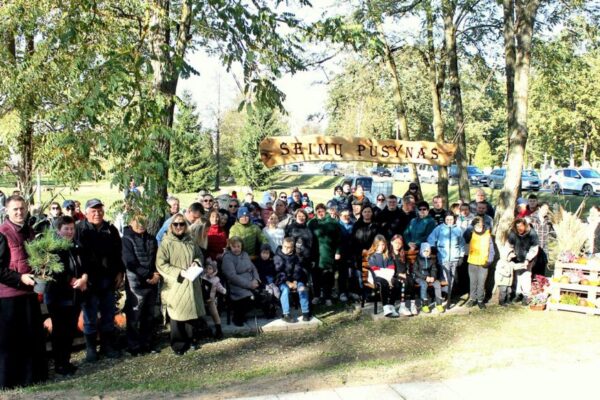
(192, 160)
(248, 168)
(483, 155)
(565, 102)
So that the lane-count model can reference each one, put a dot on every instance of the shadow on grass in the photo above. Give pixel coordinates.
(234, 364)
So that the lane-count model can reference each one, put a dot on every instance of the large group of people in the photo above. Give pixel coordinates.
(255, 256)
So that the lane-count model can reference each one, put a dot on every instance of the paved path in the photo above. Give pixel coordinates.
(546, 382)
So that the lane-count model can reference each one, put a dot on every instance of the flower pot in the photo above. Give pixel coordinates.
(537, 307)
(40, 285)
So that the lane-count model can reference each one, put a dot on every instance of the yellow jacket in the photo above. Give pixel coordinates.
(481, 249)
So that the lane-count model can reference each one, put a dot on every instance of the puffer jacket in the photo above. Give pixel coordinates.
(251, 235)
(425, 267)
(239, 272)
(449, 242)
(288, 268)
(182, 298)
(139, 256)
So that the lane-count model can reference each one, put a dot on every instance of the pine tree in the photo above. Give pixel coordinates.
(248, 169)
(193, 165)
(483, 155)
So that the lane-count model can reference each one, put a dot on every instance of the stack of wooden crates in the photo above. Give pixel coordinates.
(587, 292)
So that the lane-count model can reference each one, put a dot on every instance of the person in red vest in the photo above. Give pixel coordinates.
(22, 346)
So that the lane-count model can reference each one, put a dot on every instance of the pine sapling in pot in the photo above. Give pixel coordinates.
(42, 257)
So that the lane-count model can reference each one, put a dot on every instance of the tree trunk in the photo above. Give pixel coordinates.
(436, 83)
(23, 171)
(399, 106)
(166, 61)
(510, 61)
(525, 16)
(449, 9)
(25, 167)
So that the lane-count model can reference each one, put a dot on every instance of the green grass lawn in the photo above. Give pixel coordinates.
(347, 349)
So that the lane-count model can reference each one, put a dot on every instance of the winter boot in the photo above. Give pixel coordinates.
(107, 347)
(91, 355)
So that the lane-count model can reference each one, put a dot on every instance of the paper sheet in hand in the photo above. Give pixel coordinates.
(193, 272)
(385, 273)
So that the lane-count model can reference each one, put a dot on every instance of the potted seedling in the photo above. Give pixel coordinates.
(43, 260)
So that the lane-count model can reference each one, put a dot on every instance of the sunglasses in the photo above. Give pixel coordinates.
(380, 199)
(423, 209)
(179, 224)
(233, 206)
(208, 201)
(55, 208)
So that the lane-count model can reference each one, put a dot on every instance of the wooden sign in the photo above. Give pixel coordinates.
(279, 150)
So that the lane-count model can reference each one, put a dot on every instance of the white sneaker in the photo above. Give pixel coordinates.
(413, 309)
(328, 303)
(316, 301)
(393, 313)
(343, 298)
(405, 312)
(388, 310)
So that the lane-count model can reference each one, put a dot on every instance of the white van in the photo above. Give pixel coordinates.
(428, 173)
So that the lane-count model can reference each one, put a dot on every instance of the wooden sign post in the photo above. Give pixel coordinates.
(280, 150)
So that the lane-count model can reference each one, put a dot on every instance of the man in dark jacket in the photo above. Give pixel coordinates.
(394, 220)
(22, 345)
(296, 202)
(437, 212)
(523, 243)
(139, 257)
(102, 244)
(480, 197)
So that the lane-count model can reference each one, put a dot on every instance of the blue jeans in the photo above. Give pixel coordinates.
(102, 300)
(285, 298)
(437, 289)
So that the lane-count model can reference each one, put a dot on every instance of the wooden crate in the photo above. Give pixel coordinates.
(590, 271)
(590, 293)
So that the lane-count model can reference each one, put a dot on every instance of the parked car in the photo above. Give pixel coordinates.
(402, 173)
(428, 173)
(585, 181)
(530, 180)
(474, 174)
(330, 169)
(484, 180)
(381, 171)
